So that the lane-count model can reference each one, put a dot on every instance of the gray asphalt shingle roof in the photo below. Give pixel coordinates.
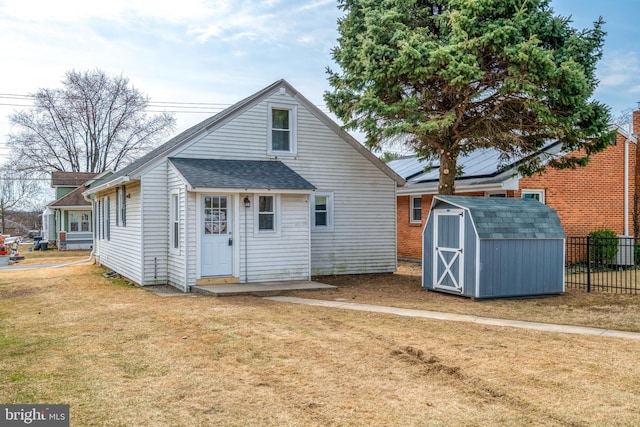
(253, 174)
(509, 218)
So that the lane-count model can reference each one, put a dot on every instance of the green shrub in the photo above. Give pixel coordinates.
(604, 246)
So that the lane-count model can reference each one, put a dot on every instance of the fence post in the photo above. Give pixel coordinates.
(588, 264)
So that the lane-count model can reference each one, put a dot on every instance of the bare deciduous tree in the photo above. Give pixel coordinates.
(93, 124)
(18, 190)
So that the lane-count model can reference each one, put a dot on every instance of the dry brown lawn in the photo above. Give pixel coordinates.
(123, 356)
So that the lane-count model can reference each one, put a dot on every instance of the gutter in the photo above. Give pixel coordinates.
(106, 185)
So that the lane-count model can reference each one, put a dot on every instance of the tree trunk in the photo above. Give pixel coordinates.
(448, 167)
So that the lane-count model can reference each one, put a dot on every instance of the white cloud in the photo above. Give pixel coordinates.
(76, 10)
(618, 69)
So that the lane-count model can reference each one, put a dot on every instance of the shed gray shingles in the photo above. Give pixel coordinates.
(506, 218)
(252, 174)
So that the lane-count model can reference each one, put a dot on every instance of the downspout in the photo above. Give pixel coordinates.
(626, 186)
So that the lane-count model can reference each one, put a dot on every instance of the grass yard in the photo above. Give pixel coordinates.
(123, 356)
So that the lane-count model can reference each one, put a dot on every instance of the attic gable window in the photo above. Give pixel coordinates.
(282, 129)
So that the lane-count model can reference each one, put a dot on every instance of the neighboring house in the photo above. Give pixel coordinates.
(68, 221)
(600, 195)
(269, 189)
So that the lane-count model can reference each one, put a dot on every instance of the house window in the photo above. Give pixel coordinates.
(117, 206)
(266, 213)
(533, 194)
(123, 205)
(79, 222)
(175, 221)
(282, 130)
(99, 216)
(106, 217)
(416, 209)
(495, 194)
(322, 211)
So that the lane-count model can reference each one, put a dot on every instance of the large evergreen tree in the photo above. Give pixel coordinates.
(453, 76)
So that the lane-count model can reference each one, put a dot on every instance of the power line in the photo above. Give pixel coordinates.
(177, 107)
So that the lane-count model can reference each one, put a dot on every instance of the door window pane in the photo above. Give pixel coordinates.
(215, 215)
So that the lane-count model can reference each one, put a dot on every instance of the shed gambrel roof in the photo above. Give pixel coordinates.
(133, 170)
(508, 218)
(247, 174)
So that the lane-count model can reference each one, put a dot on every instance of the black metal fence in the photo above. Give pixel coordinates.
(605, 264)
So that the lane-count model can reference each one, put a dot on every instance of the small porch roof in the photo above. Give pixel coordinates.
(240, 174)
(73, 199)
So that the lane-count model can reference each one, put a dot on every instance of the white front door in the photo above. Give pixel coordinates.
(448, 257)
(217, 240)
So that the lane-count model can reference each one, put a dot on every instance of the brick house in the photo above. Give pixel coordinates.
(586, 199)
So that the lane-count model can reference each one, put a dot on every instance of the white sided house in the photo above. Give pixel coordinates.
(269, 189)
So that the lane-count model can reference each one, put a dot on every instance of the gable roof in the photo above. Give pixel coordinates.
(508, 218)
(133, 170)
(247, 174)
(71, 199)
(70, 179)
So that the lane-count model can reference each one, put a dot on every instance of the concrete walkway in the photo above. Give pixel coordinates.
(546, 327)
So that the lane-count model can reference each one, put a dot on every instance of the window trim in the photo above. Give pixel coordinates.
(123, 206)
(117, 206)
(329, 226)
(99, 219)
(412, 209)
(108, 218)
(276, 214)
(174, 232)
(293, 114)
(80, 214)
(538, 192)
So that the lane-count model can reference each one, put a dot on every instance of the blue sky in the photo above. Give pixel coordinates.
(214, 51)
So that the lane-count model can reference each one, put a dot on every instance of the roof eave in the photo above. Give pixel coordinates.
(107, 185)
(253, 190)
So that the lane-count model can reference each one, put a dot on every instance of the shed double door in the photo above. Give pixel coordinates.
(448, 255)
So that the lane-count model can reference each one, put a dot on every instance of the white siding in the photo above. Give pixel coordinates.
(122, 253)
(364, 235)
(243, 138)
(155, 231)
(176, 268)
(363, 238)
(279, 256)
(191, 238)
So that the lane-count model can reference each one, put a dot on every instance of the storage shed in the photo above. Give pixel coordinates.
(489, 247)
